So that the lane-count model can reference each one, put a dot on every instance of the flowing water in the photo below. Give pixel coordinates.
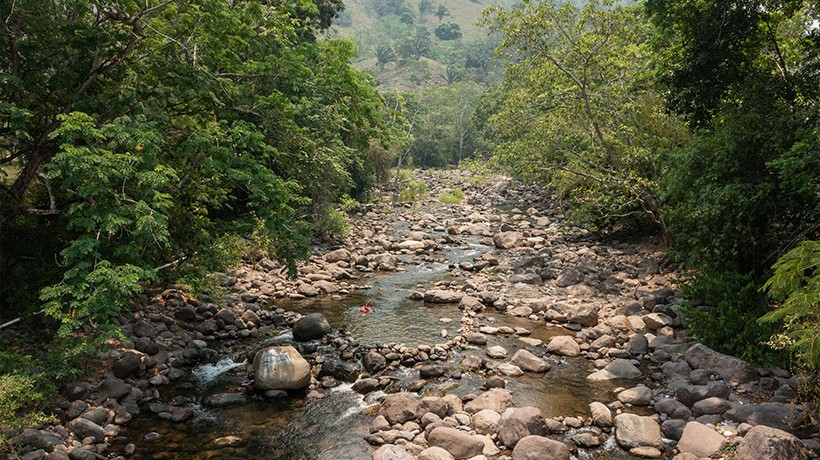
(295, 428)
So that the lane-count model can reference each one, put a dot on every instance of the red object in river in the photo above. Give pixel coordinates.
(365, 309)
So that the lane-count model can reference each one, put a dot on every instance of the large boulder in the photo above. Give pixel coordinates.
(782, 416)
(486, 421)
(539, 448)
(310, 327)
(516, 423)
(564, 345)
(529, 362)
(617, 369)
(442, 296)
(280, 368)
(496, 400)
(86, 428)
(585, 314)
(700, 440)
(601, 414)
(459, 444)
(767, 442)
(400, 408)
(730, 369)
(339, 255)
(636, 431)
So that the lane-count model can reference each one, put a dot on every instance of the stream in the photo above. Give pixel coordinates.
(298, 428)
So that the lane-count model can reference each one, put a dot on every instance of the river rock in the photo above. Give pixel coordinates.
(700, 440)
(568, 277)
(114, 388)
(435, 453)
(442, 296)
(339, 255)
(495, 399)
(539, 448)
(79, 453)
(400, 408)
(365, 386)
(40, 439)
(634, 430)
(519, 422)
(432, 371)
(585, 314)
(690, 394)
(617, 369)
(510, 370)
(711, 406)
(486, 421)
(341, 370)
(782, 416)
(127, 366)
(475, 338)
(86, 428)
(391, 452)
(226, 399)
(640, 395)
(600, 413)
(507, 240)
(280, 368)
(529, 362)
(497, 352)
(310, 327)
(564, 345)
(767, 442)
(729, 368)
(144, 329)
(460, 444)
(374, 361)
(470, 303)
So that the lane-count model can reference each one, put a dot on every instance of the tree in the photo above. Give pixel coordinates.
(425, 6)
(417, 45)
(578, 113)
(448, 31)
(384, 55)
(442, 11)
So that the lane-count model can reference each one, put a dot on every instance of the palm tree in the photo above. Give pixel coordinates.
(441, 12)
(384, 54)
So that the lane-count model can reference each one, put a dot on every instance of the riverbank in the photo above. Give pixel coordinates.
(525, 299)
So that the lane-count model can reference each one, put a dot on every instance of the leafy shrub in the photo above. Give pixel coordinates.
(413, 191)
(333, 225)
(454, 197)
(448, 31)
(795, 285)
(22, 395)
(728, 323)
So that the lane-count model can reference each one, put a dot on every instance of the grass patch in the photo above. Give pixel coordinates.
(454, 197)
(413, 191)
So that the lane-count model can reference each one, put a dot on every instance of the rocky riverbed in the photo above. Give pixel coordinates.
(492, 302)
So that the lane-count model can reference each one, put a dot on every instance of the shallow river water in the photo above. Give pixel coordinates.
(333, 428)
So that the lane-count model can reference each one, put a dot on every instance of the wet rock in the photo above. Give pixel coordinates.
(307, 290)
(470, 303)
(391, 452)
(365, 386)
(522, 312)
(432, 371)
(442, 296)
(601, 415)
(634, 430)
(538, 448)
(497, 352)
(475, 338)
(86, 428)
(280, 368)
(78, 453)
(399, 408)
(226, 399)
(529, 362)
(374, 361)
(729, 368)
(767, 442)
(341, 370)
(310, 327)
(510, 370)
(494, 381)
(700, 440)
(564, 345)
(494, 399)
(460, 444)
(617, 369)
(516, 423)
(645, 452)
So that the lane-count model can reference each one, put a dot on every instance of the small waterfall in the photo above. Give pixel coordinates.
(207, 373)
